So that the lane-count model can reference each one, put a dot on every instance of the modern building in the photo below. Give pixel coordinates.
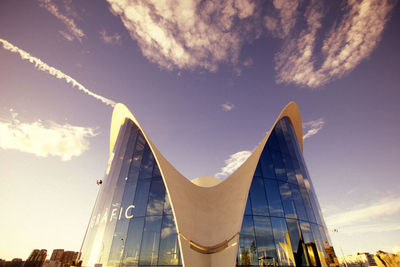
(264, 214)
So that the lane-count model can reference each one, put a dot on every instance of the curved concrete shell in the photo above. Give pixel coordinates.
(208, 214)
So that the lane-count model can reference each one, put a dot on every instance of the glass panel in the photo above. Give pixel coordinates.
(297, 241)
(273, 142)
(310, 245)
(248, 211)
(265, 242)
(320, 246)
(298, 202)
(133, 242)
(141, 197)
(258, 199)
(287, 202)
(282, 242)
(258, 170)
(290, 138)
(167, 205)
(267, 165)
(280, 169)
(169, 246)
(151, 241)
(146, 167)
(274, 198)
(290, 172)
(281, 139)
(136, 159)
(247, 244)
(156, 171)
(155, 205)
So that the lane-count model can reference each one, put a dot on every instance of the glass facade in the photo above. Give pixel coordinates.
(132, 222)
(282, 223)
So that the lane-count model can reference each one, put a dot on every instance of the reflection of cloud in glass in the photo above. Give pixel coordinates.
(155, 207)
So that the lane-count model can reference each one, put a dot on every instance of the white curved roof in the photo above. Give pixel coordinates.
(208, 214)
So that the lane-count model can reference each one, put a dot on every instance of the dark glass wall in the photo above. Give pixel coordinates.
(282, 223)
(132, 223)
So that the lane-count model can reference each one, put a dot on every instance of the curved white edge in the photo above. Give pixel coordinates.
(121, 112)
(207, 215)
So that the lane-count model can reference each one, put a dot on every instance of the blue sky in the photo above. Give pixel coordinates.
(206, 81)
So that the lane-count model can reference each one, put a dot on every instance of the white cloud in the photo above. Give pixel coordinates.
(346, 44)
(188, 34)
(227, 106)
(44, 139)
(40, 65)
(381, 208)
(110, 38)
(234, 162)
(74, 31)
(283, 18)
(313, 127)
(203, 34)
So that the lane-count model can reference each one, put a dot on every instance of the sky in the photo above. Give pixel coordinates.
(206, 80)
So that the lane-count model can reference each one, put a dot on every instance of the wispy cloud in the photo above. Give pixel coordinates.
(188, 34)
(110, 38)
(40, 65)
(345, 45)
(44, 138)
(360, 219)
(74, 31)
(312, 127)
(234, 162)
(227, 106)
(191, 34)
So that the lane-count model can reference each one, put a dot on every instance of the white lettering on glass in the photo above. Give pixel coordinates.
(127, 210)
(113, 214)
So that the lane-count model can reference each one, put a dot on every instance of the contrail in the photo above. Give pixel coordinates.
(53, 71)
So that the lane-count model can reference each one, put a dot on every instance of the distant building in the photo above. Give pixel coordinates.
(57, 255)
(16, 262)
(36, 258)
(50, 263)
(69, 256)
(363, 259)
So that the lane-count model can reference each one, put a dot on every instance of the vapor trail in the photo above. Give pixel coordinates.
(53, 71)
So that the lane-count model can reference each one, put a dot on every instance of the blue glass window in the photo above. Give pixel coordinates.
(150, 241)
(133, 242)
(279, 166)
(274, 198)
(132, 215)
(266, 252)
(248, 211)
(169, 246)
(155, 206)
(282, 242)
(147, 165)
(141, 198)
(292, 209)
(247, 249)
(267, 165)
(287, 201)
(258, 199)
(298, 202)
